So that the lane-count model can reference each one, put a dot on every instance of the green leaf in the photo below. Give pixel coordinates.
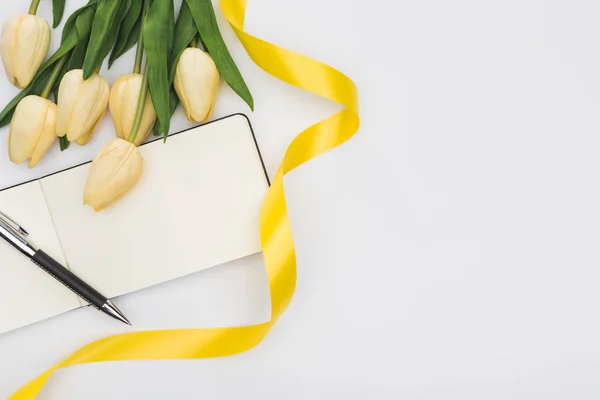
(206, 21)
(64, 143)
(129, 32)
(70, 24)
(105, 29)
(185, 30)
(83, 27)
(65, 68)
(58, 9)
(174, 100)
(72, 39)
(158, 34)
(77, 57)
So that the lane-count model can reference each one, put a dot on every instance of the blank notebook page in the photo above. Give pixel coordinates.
(196, 206)
(27, 293)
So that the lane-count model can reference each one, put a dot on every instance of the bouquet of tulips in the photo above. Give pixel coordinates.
(176, 62)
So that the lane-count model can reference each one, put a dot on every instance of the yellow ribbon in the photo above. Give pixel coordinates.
(276, 233)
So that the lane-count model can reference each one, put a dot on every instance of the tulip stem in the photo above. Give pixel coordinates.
(139, 51)
(141, 104)
(139, 55)
(53, 77)
(137, 67)
(34, 6)
(198, 43)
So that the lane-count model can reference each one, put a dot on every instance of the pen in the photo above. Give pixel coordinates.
(17, 237)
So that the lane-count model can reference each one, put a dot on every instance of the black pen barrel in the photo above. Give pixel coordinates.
(69, 279)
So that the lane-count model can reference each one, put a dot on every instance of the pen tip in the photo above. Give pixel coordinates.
(114, 312)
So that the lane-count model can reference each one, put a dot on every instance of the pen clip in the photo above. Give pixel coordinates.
(13, 225)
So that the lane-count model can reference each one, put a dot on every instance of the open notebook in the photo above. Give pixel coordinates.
(197, 205)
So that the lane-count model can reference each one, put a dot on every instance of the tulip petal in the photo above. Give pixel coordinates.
(67, 96)
(197, 84)
(31, 46)
(47, 136)
(180, 90)
(123, 107)
(148, 120)
(7, 46)
(32, 123)
(83, 140)
(81, 105)
(117, 96)
(90, 106)
(114, 171)
(129, 105)
(210, 112)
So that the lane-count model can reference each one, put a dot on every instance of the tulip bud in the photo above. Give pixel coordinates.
(81, 105)
(24, 45)
(114, 171)
(32, 130)
(197, 84)
(124, 96)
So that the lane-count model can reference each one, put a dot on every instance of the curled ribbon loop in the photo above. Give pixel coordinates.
(275, 230)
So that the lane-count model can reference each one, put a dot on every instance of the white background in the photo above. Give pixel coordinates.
(449, 251)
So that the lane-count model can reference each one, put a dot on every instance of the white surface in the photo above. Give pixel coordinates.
(26, 293)
(449, 251)
(199, 196)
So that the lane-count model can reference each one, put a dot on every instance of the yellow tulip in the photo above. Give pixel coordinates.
(24, 45)
(32, 130)
(81, 105)
(197, 84)
(124, 96)
(114, 171)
